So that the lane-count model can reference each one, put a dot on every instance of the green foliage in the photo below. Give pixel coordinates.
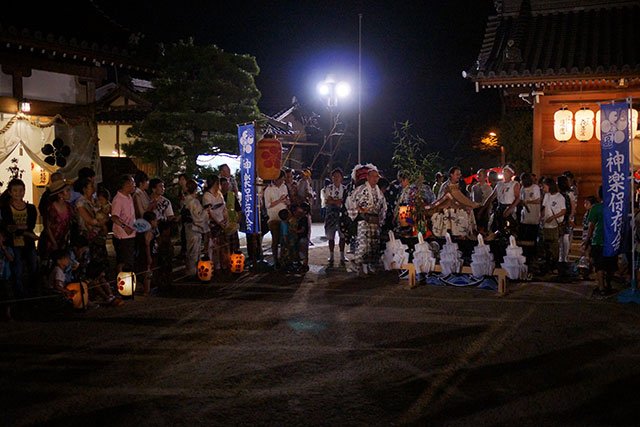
(410, 154)
(199, 96)
(516, 135)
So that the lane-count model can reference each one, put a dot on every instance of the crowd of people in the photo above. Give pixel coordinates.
(78, 218)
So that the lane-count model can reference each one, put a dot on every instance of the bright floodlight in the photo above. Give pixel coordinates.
(343, 89)
(323, 88)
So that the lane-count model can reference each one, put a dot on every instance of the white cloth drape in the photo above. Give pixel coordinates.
(81, 138)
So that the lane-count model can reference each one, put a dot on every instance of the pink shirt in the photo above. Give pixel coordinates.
(122, 207)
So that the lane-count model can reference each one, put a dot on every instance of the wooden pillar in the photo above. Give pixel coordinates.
(536, 146)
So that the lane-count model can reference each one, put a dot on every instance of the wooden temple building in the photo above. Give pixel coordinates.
(52, 68)
(549, 55)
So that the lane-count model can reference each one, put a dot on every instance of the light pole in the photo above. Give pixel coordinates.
(332, 90)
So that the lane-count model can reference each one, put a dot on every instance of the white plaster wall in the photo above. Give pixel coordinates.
(6, 84)
(49, 86)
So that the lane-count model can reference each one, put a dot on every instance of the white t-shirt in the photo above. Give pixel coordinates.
(553, 204)
(504, 192)
(271, 194)
(533, 215)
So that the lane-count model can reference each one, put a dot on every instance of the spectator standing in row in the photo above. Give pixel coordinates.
(530, 215)
(60, 215)
(233, 214)
(334, 196)
(218, 249)
(196, 225)
(605, 266)
(553, 210)
(20, 219)
(276, 198)
(161, 205)
(123, 216)
(141, 200)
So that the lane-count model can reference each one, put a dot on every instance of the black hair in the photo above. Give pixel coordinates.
(591, 199)
(154, 183)
(305, 207)
(103, 192)
(59, 254)
(81, 183)
(223, 180)
(526, 179)
(282, 174)
(551, 183)
(383, 182)
(140, 177)
(568, 174)
(600, 192)
(164, 225)
(337, 170)
(123, 180)
(192, 186)
(183, 175)
(86, 173)
(453, 170)
(211, 181)
(149, 216)
(563, 184)
(283, 214)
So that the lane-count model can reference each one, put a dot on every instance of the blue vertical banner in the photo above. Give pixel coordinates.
(247, 148)
(614, 128)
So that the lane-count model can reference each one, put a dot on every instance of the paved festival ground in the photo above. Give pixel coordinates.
(329, 349)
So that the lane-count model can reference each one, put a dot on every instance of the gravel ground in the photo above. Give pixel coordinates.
(329, 349)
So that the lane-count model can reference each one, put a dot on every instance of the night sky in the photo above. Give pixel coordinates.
(413, 56)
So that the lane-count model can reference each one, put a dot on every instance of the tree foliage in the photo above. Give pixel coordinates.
(411, 154)
(198, 98)
(516, 135)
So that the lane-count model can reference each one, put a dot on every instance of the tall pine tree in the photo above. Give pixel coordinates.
(201, 93)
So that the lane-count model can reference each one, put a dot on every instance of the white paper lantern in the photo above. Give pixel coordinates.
(126, 283)
(584, 126)
(562, 125)
(598, 125)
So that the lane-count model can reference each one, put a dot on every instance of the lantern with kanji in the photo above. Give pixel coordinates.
(237, 263)
(126, 283)
(39, 175)
(269, 158)
(205, 269)
(585, 126)
(80, 298)
(404, 213)
(562, 125)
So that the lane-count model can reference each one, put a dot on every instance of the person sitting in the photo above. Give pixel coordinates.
(453, 211)
(97, 283)
(57, 280)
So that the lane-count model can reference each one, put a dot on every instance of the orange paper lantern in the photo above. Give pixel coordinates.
(269, 158)
(205, 270)
(237, 263)
(81, 297)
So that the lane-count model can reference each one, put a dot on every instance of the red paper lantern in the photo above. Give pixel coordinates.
(269, 158)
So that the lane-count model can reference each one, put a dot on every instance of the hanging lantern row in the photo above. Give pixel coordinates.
(585, 124)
